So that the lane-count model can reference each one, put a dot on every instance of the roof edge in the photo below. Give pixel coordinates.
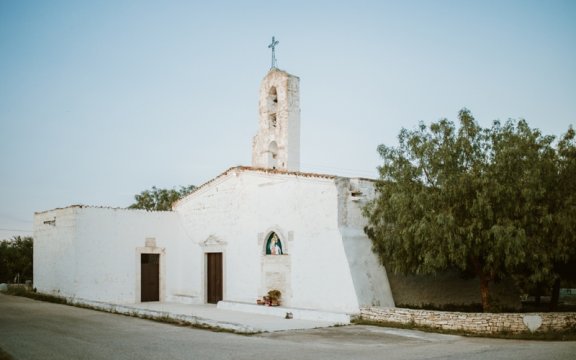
(242, 168)
(81, 206)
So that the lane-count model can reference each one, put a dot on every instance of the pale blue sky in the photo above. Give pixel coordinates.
(100, 100)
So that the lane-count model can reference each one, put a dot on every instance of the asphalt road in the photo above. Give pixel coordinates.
(36, 330)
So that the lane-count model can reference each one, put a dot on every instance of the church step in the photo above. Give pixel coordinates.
(280, 311)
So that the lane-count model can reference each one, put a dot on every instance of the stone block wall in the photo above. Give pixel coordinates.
(475, 323)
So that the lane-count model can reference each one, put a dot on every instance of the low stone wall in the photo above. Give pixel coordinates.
(476, 323)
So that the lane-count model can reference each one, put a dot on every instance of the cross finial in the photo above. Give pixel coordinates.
(273, 46)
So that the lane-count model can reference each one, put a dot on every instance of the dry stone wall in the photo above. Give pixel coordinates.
(476, 323)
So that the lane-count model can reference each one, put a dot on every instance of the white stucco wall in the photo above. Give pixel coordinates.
(54, 254)
(94, 253)
(241, 207)
(369, 276)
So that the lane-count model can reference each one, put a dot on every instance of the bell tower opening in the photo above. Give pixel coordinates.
(273, 98)
(273, 155)
(273, 122)
(272, 103)
(277, 143)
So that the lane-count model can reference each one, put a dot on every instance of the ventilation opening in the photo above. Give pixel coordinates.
(272, 121)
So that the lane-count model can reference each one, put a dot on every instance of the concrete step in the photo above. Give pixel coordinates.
(280, 311)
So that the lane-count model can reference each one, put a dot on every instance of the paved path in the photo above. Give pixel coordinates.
(208, 314)
(35, 330)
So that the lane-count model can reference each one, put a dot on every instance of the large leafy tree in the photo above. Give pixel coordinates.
(160, 199)
(16, 259)
(564, 229)
(482, 200)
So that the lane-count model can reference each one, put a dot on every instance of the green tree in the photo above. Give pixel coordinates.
(564, 229)
(16, 259)
(548, 204)
(160, 199)
(482, 200)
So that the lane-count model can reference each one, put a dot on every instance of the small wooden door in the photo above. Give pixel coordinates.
(150, 277)
(214, 277)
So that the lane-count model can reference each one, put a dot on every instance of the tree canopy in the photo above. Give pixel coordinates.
(16, 259)
(497, 202)
(160, 199)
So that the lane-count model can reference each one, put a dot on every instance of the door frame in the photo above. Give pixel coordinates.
(151, 249)
(213, 244)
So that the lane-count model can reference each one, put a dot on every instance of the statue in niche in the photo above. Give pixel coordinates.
(273, 245)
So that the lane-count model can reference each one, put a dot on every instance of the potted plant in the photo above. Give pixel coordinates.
(274, 297)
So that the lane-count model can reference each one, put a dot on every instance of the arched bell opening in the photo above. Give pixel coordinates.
(273, 155)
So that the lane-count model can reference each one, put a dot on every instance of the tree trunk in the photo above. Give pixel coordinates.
(555, 295)
(484, 284)
(484, 293)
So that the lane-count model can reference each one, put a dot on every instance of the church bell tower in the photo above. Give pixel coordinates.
(277, 143)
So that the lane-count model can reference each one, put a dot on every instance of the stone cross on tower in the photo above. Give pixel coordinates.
(273, 46)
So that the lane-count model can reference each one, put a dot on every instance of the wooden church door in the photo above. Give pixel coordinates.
(214, 277)
(150, 277)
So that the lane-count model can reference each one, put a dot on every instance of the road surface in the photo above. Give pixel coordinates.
(37, 330)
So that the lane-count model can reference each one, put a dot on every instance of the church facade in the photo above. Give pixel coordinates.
(250, 230)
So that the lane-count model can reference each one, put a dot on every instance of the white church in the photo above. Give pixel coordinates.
(249, 230)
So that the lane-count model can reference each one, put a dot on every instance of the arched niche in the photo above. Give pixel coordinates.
(276, 264)
(274, 245)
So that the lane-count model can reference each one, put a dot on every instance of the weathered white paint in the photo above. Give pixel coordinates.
(94, 253)
(320, 269)
(532, 322)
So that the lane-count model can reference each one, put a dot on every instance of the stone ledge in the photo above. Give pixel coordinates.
(476, 323)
